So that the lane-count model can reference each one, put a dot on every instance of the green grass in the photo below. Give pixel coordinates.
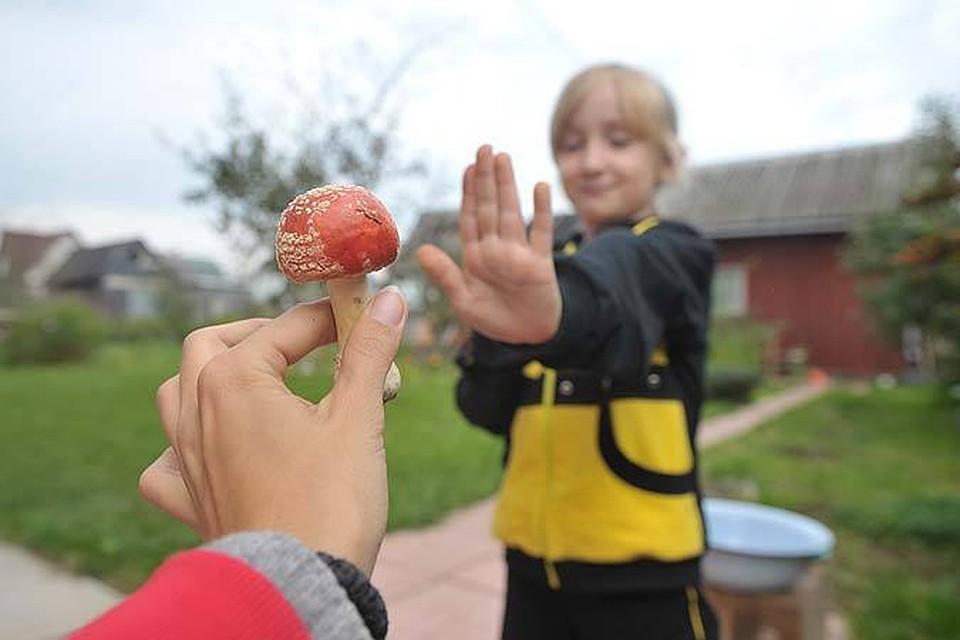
(76, 438)
(882, 469)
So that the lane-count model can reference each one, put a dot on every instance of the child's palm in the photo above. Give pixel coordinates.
(510, 292)
(507, 288)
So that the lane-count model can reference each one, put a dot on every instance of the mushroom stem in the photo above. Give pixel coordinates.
(349, 297)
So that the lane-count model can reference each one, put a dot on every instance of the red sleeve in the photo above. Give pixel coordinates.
(200, 595)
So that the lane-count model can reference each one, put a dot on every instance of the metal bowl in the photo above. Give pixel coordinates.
(755, 548)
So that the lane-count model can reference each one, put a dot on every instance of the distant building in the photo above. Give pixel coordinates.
(780, 225)
(124, 280)
(28, 259)
(211, 295)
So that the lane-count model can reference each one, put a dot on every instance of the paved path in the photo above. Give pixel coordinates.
(440, 582)
(39, 601)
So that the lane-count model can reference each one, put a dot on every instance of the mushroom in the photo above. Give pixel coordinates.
(339, 234)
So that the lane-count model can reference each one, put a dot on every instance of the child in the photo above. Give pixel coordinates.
(590, 361)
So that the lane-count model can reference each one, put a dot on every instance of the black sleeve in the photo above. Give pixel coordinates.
(490, 383)
(364, 596)
(622, 295)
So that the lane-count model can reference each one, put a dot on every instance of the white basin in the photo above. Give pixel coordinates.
(753, 547)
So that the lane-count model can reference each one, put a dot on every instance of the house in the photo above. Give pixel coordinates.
(209, 293)
(127, 280)
(780, 225)
(28, 259)
(124, 280)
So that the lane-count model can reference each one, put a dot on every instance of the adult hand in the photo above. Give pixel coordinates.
(247, 454)
(507, 288)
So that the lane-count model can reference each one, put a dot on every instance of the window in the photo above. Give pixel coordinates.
(141, 303)
(730, 298)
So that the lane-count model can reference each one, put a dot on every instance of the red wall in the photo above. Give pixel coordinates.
(799, 283)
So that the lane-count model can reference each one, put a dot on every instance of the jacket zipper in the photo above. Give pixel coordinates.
(547, 397)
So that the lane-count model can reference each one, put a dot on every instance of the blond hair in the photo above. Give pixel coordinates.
(647, 107)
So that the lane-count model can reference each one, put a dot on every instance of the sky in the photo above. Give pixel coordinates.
(98, 98)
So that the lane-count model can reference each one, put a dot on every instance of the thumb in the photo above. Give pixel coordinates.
(369, 352)
(442, 269)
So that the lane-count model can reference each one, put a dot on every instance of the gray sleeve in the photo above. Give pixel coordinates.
(305, 580)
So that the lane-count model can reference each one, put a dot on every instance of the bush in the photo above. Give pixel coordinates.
(141, 330)
(61, 331)
(740, 343)
(732, 383)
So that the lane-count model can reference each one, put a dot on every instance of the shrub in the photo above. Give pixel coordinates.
(740, 343)
(732, 383)
(141, 330)
(60, 331)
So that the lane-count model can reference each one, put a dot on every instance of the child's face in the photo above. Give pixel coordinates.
(608, 172)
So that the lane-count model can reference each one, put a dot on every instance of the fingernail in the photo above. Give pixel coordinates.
(387, 307)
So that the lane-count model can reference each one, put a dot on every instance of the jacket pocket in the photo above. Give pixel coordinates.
(645, 442)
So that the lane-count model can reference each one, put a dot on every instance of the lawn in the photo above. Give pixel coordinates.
(77, 437)
(882, 469)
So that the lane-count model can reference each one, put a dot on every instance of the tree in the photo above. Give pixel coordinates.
(252, 174)
(908, 261)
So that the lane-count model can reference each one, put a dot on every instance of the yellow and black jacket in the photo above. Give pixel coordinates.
(600, 488)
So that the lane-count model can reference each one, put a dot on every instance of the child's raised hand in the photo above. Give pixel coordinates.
(507, 287)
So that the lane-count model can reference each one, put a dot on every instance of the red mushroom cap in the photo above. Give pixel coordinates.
(335, 231)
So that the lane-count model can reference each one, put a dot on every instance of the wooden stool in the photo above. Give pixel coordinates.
(798, 614)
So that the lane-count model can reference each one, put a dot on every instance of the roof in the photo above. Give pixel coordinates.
(200, 273)
(21, 250)
(818, 192)
(805, 193)
(87, 266)
(442, 228)
(191, 268)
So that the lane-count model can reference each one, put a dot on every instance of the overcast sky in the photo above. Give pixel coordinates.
(91, 89)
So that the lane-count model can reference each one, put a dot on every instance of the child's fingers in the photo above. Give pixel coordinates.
(541, 232)
(511, 222)
(488, 216)
(468, 208)
(444, 272)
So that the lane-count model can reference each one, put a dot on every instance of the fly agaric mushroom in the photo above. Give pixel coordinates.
(339, 234)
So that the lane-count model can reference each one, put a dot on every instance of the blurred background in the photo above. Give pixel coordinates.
(147, 149)
(100, 98)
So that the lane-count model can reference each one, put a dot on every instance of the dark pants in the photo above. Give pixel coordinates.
(534, 611)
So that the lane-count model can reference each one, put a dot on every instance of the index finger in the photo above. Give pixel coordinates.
(468, 208)
(199, 348)
(287, 338)
(485, 194)
(204, 343)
